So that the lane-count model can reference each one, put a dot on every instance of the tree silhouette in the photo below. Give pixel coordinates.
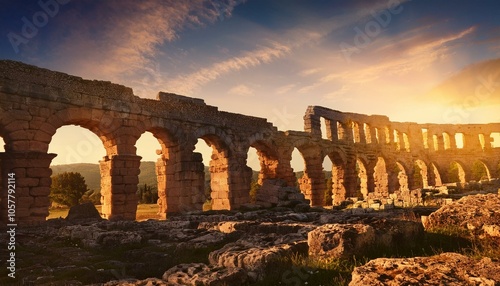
(68, 188)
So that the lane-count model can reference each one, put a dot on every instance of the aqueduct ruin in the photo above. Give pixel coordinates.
(372, 156)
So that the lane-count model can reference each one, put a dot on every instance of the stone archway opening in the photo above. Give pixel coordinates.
(327, 166)
(402, 179)
(263, 161)
(254, 163)
(362, 180)
(298, 164)
(456, 173)
(2, 144)
(480, 172)
(204, 152)
(152, 177)
(78, 151)
(216, 180)
(420, 175)
(495, 139)
(325, 125)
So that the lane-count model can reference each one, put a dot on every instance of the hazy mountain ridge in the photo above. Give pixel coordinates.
(92, 175)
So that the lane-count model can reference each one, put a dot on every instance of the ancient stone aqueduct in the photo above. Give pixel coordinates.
(371, 155)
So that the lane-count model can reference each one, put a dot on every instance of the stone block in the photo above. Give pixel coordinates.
(24, 202)
(334, 241)
(38, 172)
(39, 191)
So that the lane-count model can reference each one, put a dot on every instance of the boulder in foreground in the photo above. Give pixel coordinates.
(479, 215)
(450, 269)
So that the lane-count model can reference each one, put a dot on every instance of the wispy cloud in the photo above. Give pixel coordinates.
(119, 39)
(241, 90)
(186, 84)
(391, 60)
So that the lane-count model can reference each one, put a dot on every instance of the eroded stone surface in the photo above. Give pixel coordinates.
(199, 274)
(479, 215)
(444, 269)
(379, 154)
(340, 240)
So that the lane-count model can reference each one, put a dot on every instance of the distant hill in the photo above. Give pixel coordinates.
(92, 174)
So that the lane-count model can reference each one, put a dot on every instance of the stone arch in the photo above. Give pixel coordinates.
(119, 168)
(168, 186)
(456, 173)
(480, 171)
(221, 195)
(99, 122)
(312, 184)
(420, 174)
(268, 158)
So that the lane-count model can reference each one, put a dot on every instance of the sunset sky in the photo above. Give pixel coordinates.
(269, 58)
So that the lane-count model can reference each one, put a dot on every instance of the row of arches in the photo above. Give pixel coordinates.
(355, 176)
(351, 131)
(359, 177)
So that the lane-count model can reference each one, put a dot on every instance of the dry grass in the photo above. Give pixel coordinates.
(144, 212)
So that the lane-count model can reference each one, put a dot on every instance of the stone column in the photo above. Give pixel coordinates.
(350, 177)
(332, 127)
(119, 179)
(471, 142)
(240, 178)
(338, 190)
(453, 141)
(32, 172)
(161, 177)
(312, 124)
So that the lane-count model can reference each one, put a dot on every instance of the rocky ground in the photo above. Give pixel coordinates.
(279, 246)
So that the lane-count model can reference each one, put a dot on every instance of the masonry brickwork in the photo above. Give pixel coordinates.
(372, 157)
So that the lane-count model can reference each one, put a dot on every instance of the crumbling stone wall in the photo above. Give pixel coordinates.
(372, 157)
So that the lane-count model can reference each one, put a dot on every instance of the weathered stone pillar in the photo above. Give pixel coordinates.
(380, 179)
(471, 142)
(240, 177)
(161, 177)
(338, 189)
(312, 124)
(453, 141)
(331, 127)
(31, 182)
(119, 179)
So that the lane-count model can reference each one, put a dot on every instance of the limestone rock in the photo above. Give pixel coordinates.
(444, 269)
(340, 240)
(476, 214)
(199, 274)
(85, 211)
(255, 253)
(92, 236)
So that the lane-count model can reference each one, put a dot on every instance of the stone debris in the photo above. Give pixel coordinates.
(340, 240)
(479, 215)
(199, 274)
(85, 211)
(444, 269)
